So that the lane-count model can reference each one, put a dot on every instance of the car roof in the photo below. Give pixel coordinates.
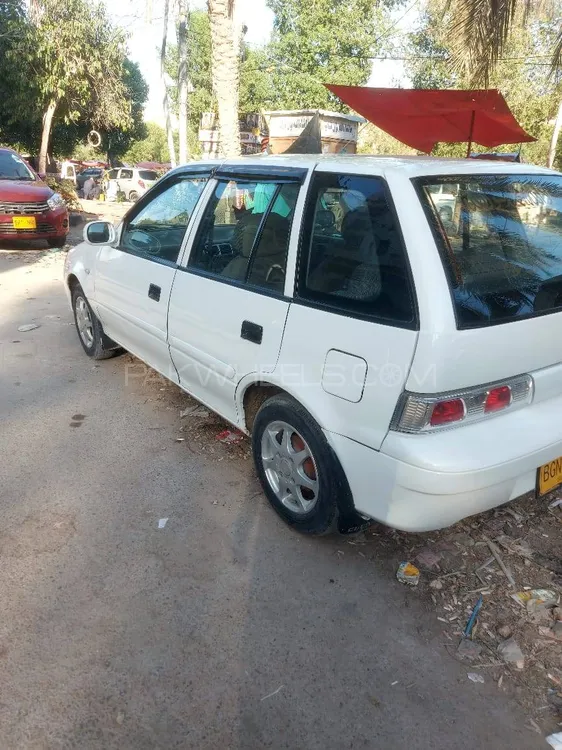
(412, 166)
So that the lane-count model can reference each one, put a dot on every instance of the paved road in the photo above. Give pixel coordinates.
(223, 630)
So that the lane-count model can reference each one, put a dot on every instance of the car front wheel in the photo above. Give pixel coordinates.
(94, 341)
(298, 471)
(57, 241)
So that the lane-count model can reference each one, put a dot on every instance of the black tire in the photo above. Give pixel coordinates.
(56, 241)
(133, 196)
(322, 518)
(101, 346)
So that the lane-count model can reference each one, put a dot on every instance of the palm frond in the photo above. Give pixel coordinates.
(479, 32)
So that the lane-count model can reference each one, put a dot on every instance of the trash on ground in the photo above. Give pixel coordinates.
(230, 437)
(27, 327)
(495, 552)
(162, 522)
(270, 695)
(180, 440)
(511, 653)
(536, 597)
(505, 631)
(475, 677)
(408, 574)
(472, 619)
(468, 650)
(437, 584)
(555, 740)
(195, 411)
(428, 558)
(555, 503)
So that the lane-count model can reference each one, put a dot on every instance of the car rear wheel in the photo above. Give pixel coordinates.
(94, 341)
(298, 471)
(133, 196)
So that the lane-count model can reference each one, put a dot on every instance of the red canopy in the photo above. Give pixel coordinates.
(421, 118)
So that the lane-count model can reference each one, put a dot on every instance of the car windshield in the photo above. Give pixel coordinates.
(12, 167)
(147, 174)
(500, 237)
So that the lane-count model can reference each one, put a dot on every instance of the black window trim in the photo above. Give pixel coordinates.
(436, 228)
(262, 173)
(160, 187)
(303, 253)
(224, 279)
(246, 286)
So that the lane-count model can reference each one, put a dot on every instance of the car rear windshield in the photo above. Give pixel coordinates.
(12, 167)
(500, 237)
(147, 174)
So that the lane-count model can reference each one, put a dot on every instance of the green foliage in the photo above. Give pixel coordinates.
(75, 56)
(152, 148)
(67, 190)
(322, 41)
(119, 139)
(79, 58)
(521, 75)
(17, 83)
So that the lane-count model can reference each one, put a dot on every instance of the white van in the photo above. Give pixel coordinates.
(388, 364)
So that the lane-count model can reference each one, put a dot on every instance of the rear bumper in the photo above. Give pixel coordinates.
(50, 224)
(421, 483)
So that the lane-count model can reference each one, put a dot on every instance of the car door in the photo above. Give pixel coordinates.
(125, 181)
(353, 326)
(134, 278)
(228, 308)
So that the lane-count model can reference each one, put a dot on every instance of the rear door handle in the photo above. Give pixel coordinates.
(154, 292)
(251, 332)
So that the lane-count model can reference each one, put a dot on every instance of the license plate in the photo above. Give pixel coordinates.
(24, 222)
(549, 476)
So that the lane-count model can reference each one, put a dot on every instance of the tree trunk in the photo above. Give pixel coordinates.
(225, 41)
(166, 102)
(46, 135)
(182, 80)
(554, 139)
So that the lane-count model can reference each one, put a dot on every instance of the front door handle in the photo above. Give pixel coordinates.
(251, 332)
(154, 292)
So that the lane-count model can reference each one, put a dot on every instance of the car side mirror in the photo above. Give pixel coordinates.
(99, 233)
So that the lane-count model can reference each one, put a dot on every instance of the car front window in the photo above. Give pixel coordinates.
(12, 167)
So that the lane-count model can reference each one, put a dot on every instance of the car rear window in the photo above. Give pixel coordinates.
(147, 174)
(500, 237)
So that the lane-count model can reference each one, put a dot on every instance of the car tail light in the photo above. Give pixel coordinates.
(445, 412)
(430, 412)
(141, 184)
(498, 398)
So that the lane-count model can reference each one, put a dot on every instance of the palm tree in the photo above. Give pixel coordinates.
(225, 43)
(480, 30)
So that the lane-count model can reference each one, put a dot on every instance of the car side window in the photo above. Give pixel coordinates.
(126, 174)
(353, 254)
(112, 175)
(244, 233)
(157, 229)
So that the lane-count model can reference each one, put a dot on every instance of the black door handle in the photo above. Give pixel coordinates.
(251, 332)
(154, 292)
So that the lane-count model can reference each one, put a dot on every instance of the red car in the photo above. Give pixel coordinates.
(29, 209)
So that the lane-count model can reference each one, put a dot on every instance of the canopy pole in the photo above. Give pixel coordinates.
(471, 134)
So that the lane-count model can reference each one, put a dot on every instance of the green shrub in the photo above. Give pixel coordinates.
(67, 190)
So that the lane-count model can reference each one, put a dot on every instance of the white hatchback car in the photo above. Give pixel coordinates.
(132, 182)
(389, 363)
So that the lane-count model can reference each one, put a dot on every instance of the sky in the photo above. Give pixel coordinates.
(142, 19)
